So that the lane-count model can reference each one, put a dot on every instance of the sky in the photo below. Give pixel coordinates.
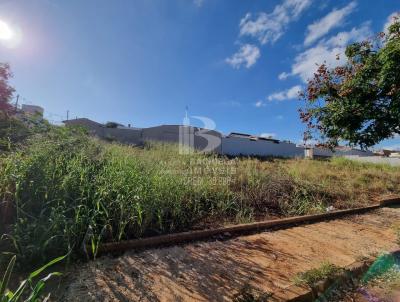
(239, 63)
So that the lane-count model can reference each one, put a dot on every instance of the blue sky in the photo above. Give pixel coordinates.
(239, 63)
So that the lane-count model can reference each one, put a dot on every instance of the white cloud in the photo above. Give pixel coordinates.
(334, 19)
(269, 27)
(259, 104)
(247, 55)
(390, 21)
(283, 75)
(279, 117)
(268, 135)
(326, 51)
(291, 93)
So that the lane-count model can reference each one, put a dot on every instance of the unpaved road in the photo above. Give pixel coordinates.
(216, 270)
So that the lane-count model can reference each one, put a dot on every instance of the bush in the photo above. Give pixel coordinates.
(15, 130)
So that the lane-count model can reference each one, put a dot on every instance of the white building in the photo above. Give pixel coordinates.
(233, 144)
(239, 144)
(32, 109)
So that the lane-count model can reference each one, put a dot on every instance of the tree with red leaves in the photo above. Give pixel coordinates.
(359, 102)
(6, 91)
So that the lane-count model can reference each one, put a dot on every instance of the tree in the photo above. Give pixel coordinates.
(358, 102)
(15, 128)
(6, 91)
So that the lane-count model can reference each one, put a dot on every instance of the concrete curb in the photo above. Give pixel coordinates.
(229, 231)
(389, 201)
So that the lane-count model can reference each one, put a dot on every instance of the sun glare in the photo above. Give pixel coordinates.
(5, 31)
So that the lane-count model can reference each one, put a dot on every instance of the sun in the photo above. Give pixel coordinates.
(5, 31)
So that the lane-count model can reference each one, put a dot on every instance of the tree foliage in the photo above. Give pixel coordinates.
(358, 102)
(6, 91)
(15, 126)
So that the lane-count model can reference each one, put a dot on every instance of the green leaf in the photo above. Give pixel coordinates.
(54, 261)
(19, 291)
(6, 277)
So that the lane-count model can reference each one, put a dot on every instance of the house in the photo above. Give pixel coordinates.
(93, 127)
(32, 109)
(239, 144)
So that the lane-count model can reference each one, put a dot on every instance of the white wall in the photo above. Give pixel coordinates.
(234, 146)
(375, 160)
(32, 109)
(354, 152)
(325, 152)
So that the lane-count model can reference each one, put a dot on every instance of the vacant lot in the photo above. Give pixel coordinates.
(267, 264)
(63, 189)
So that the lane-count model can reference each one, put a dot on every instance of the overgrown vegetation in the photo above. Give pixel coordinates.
(28, 290)
(380, 283)
(311, 277)
(65, 191)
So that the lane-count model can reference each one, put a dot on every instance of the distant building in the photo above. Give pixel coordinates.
(240, 144)
(395, 154)
(233, 144)
(319, 151)
(32, 109)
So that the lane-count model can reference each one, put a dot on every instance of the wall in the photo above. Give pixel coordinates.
(94, 128)
(32, 109)
(126, 136)
(234, 146)
(206, 140)
(172, 133)
(325, 152)
(375, 160)
(354, 152)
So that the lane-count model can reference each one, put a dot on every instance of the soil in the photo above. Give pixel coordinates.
(217, 270)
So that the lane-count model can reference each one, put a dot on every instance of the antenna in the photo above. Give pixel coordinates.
(186, 121)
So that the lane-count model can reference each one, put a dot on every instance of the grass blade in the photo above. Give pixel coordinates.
(54, 261)
(6, 277)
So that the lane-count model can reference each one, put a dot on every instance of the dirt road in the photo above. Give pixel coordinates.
(217, 270)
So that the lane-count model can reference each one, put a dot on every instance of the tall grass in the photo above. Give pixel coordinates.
(69, 190)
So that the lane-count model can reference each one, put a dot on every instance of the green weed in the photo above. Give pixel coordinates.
(28, 290)
(325, 270)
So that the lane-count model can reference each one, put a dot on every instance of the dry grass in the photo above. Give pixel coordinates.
(67, 189)
(348, 183)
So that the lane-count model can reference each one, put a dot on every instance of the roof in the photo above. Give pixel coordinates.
(237, 134)
(252, 137)
(83, 119)
(269, 139)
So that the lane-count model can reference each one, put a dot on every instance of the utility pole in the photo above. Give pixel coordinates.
(67, 115)
(16, 103)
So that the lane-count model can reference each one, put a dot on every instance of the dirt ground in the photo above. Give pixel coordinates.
(217, 270)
